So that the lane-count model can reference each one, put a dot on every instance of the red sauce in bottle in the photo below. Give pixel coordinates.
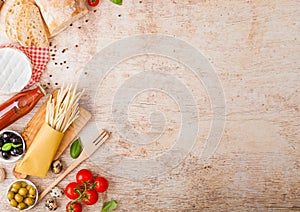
(19, 105)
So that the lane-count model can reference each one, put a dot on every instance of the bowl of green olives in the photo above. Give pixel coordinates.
(12, 146)
(22, 195)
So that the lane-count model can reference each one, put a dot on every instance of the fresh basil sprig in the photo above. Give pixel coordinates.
(8, 146)
(118, 2)
(109, 206)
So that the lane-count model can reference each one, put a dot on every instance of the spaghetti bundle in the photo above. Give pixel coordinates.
(61, 112)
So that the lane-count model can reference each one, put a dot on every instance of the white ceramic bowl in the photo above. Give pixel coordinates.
(13, 158)
(28, 183)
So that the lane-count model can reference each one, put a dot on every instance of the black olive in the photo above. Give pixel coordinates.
(1, 142)
(12, 139)
(15, 140)
(19, 151)
(18, 140)
(6, 155)
(6, 140)
(6, 135)
(13, 152)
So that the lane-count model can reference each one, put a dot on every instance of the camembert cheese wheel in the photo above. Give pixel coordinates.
(15, 70)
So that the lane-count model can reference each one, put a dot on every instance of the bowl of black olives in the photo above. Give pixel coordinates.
(12, 146)
(22, 195)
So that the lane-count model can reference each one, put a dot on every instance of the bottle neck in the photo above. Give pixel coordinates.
(31, 97)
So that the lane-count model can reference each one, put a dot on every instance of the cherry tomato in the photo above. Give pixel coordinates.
(74, 207)
(93, 3)
(90, 197)
(101, 184)
(73, 190)
(84, 176)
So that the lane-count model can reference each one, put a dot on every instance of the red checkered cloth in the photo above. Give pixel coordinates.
(39, 58)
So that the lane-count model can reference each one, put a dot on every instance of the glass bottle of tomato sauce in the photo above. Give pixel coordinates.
(19, 105)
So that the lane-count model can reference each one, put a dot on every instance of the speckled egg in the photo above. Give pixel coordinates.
(51, 204)
(56, 192)
(56, 166)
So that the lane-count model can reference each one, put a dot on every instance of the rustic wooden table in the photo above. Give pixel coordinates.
(253, 49)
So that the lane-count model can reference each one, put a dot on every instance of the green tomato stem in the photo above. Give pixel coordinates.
(82, 194)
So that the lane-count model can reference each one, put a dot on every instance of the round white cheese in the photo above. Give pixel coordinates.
(15, 70)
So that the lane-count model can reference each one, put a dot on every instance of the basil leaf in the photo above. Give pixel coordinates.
(75, 149)
(119, 2)
(16, 145)
(8, 146)
(109, 206)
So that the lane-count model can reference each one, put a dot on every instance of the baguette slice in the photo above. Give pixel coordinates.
(30, 28)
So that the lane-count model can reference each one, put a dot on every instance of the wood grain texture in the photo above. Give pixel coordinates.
(254, 48)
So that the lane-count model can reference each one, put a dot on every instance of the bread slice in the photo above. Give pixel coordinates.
(22, 32)
(13, 9)
(11, 20)
(35, 27)
(30, 27)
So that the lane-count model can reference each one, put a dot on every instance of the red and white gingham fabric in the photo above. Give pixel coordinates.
(39, 58)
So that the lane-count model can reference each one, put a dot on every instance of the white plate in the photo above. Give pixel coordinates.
(15, 70)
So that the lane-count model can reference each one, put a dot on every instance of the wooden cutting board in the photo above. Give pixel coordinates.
(38, 119)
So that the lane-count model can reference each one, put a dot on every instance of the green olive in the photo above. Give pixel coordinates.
(22, 206)
(23, 184)
(13, 203)
(29, 201)
(31, 196)
(32, 191)
(16, 185)
(10, 195)
(28, 187)
(19, 198)
(14, 190)
(23, 191)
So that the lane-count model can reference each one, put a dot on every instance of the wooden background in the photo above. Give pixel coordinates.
(254, 48)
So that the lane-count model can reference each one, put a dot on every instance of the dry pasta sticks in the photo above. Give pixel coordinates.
(61, 112)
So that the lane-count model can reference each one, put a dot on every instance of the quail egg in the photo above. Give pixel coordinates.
(51, 204)
(56, 166)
